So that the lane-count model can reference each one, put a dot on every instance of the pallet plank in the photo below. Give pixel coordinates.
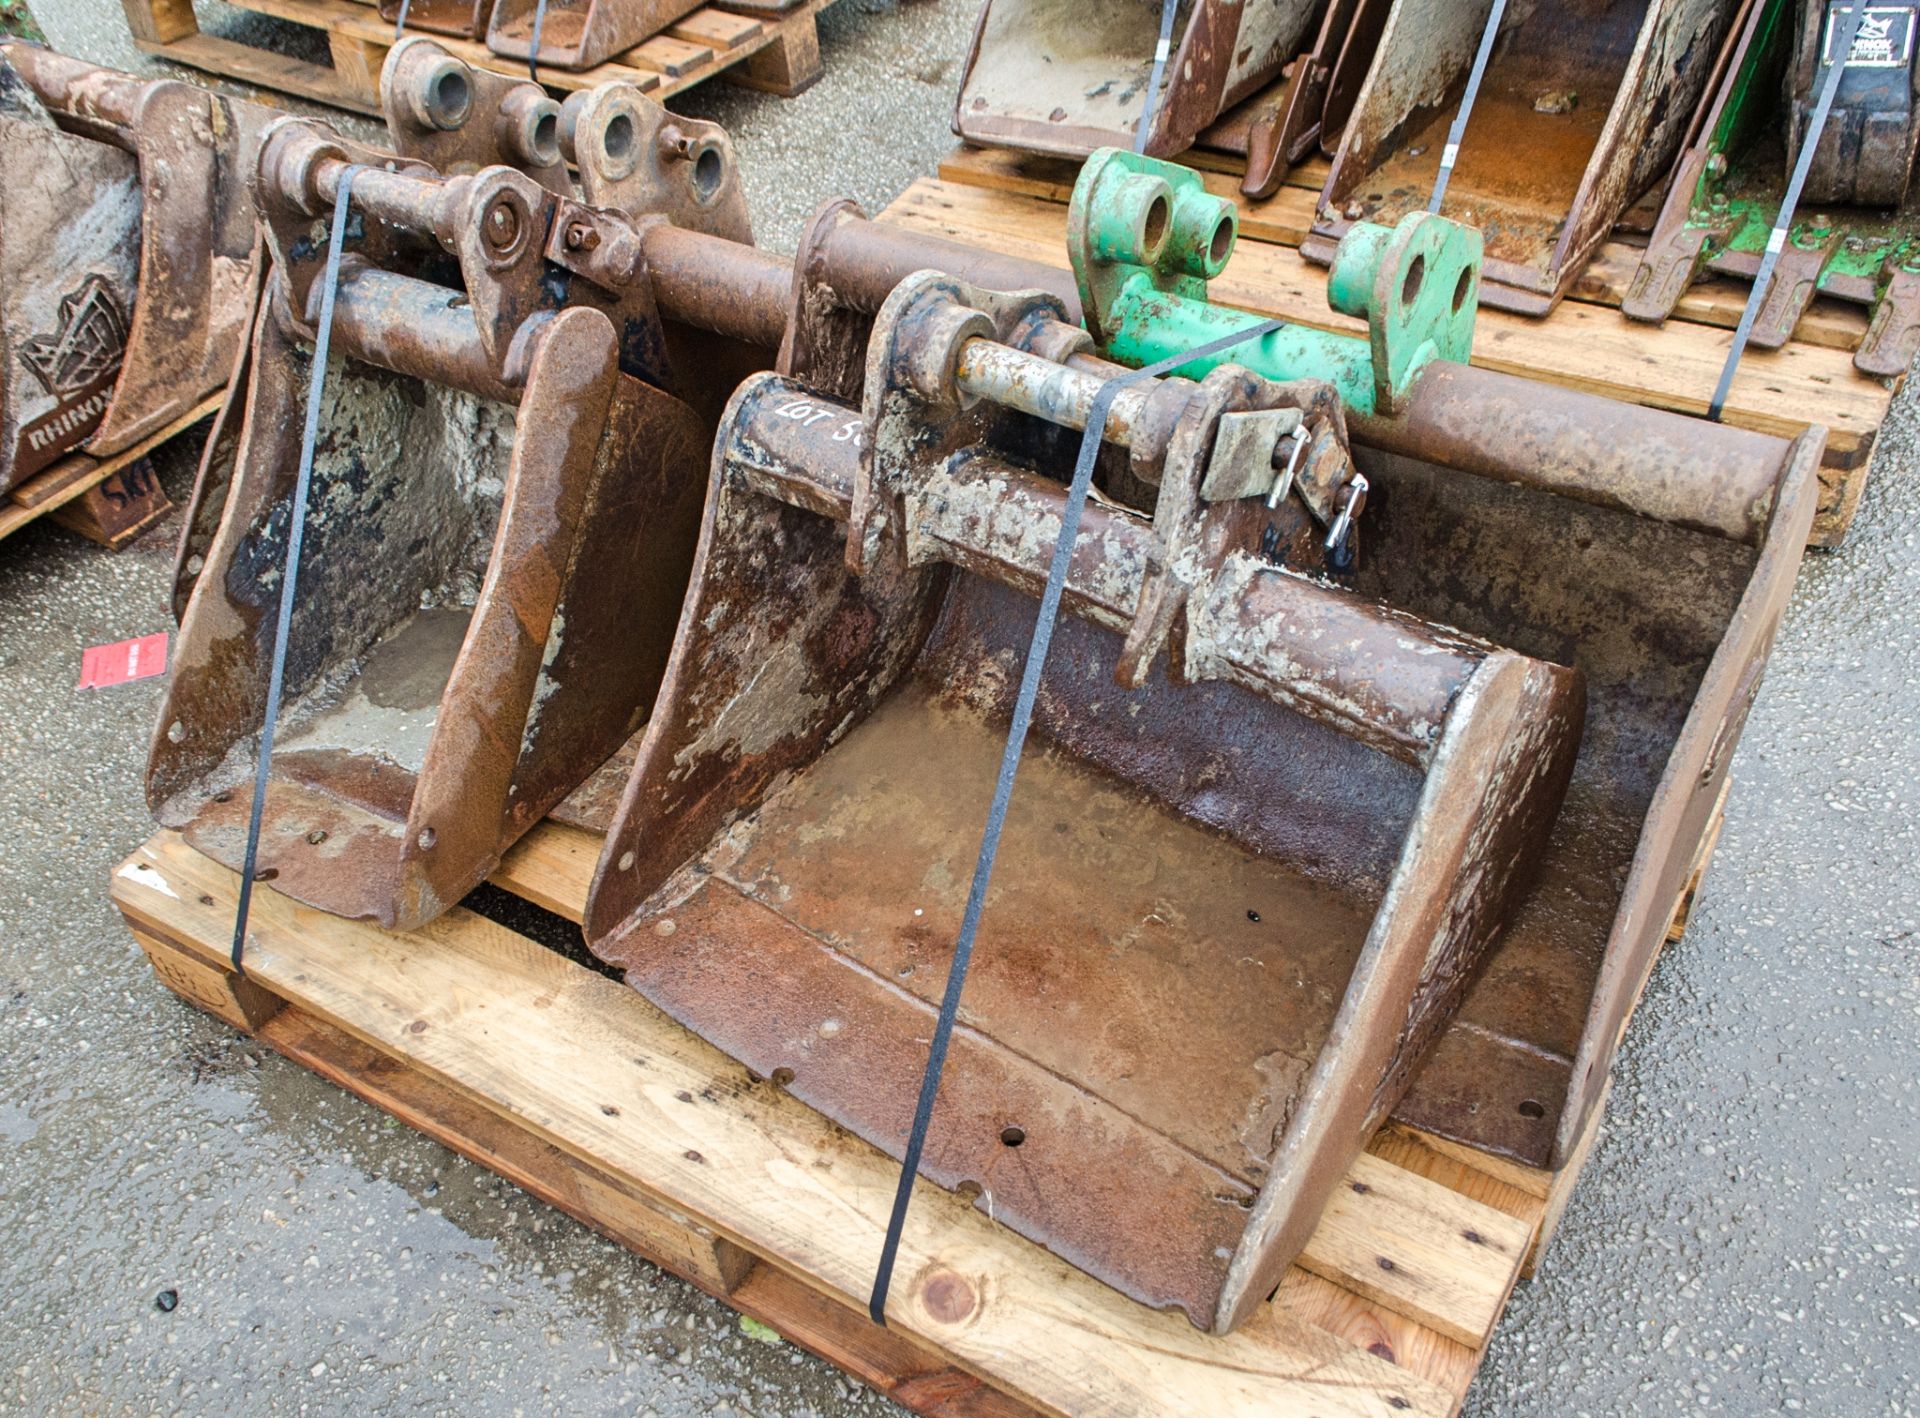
(666, 55)
(75, 474)
(1420, 1249)
(1378, 1330)
(119, 510)
(788, 63)
(716, 28)
(550, 1047)
(160, 21)
(552, 866)
(261, 68)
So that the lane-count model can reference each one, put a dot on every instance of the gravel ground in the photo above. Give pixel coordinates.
(1743, 1241)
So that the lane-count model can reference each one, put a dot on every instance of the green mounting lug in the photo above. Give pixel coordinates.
(1145, 237)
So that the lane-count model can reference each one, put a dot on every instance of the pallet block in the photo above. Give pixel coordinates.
(576, 1089)
(1015, 203)
(107, 500)
(774, 50)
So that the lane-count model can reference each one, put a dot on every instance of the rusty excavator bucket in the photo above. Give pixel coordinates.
(126, 253)
(1202, 975)
(455, 119)
(505, 498)
(1273, 828)
(1583, 108)
(1070, 76)
(1304, 842)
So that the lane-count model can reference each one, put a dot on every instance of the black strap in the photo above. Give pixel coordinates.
(1457, 130)
(296, 535)
(533, 49)
(1003, 786)
(1160, 52)
(1777, 238)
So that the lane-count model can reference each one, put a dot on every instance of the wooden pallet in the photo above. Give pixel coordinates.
(774, 49)
(579, 1091)
(1015, 203)
(111, 501)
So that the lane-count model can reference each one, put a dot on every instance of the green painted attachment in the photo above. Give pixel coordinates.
(1145, 237)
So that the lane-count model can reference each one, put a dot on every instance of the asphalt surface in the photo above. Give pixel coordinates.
(1743, 1242)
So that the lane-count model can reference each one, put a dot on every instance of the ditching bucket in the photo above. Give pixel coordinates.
(126, 252)
(1857, 234)
(1070, 76)
(783, 824)
(1582, 109)
(505, 500)
(1242, 886)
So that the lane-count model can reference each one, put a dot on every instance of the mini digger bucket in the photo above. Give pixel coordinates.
(1857, 234)
(441, 112)
(1070, 76)
(1271, 828)
(126, 253)
(505, 498)
(1583, 107)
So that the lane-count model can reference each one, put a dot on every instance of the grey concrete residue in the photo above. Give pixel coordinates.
(389, 708)
(1744, 1241)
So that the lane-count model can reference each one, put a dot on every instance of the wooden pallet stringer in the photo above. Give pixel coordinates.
(66, 490)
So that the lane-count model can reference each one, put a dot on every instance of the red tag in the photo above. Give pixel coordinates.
(124, 660)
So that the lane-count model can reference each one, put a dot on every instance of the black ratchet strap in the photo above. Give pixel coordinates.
(1161, 51)
(1003, 785)
(1458, 129)
(1777, 238)
(296, 534)
(533, 49)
